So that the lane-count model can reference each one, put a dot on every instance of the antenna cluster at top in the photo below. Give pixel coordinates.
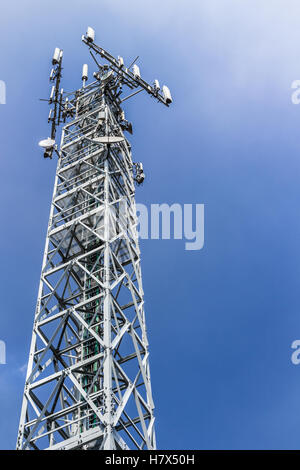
(112, 75)
(131, 75)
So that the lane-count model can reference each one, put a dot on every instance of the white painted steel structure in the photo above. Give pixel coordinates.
(88, 381)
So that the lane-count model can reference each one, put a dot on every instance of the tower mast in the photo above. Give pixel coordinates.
(88, 381)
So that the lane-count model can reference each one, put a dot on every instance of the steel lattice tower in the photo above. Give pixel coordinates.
(88, 381)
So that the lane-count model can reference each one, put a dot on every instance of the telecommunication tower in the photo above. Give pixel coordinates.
(88, 381)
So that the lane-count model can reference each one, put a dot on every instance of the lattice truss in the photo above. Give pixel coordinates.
(88, 381)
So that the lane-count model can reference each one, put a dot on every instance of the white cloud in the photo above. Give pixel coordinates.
(23, 369)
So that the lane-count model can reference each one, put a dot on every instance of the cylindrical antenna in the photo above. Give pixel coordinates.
(156, 85)
(90, 34)
(167, 94)
(56, 56)
(52, 94)
(136, 71)
(84, 76)
(50, 115)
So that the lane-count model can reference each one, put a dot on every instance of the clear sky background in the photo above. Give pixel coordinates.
(220, 320)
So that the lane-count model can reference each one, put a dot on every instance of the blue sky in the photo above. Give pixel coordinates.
(220, 320)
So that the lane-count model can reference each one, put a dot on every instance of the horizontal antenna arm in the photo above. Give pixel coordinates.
(134, 80)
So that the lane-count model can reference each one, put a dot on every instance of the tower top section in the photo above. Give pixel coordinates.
(129, 76)
(111, 78)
